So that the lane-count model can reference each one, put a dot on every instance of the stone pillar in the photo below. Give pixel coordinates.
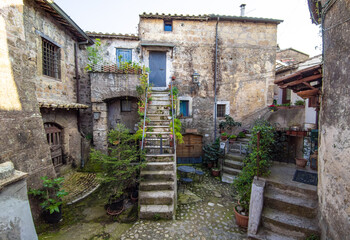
(16, 220)
(256, 205)
(100, 125)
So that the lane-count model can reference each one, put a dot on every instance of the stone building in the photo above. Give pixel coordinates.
(334, 151)
(39, 106)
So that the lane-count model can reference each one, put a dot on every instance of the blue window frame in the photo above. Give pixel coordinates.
(168, 25)
(126, 55)
(184, 108)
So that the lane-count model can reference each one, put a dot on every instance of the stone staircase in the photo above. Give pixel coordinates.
(233, 162)
(290, 212)
(157, 195)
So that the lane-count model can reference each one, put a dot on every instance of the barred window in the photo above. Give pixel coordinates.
(221, 110)
(51, 59)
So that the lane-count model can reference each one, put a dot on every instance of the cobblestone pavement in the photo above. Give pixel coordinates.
(205, 211)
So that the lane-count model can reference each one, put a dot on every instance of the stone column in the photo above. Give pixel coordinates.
(16, 220)
(100, 126)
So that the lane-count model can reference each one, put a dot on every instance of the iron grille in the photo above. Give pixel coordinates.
(51, 60)
(221, 109)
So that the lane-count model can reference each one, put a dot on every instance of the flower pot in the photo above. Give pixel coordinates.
(142, 109)
(223, 138)
(300, 162)
(54, 217)
(241, 220)
(215, 172)
(210, 165)
(115, 208)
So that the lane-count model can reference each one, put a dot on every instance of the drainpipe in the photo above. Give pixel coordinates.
(215, 76)
(77, 78)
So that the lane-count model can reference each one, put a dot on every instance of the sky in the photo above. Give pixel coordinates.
(121, 16)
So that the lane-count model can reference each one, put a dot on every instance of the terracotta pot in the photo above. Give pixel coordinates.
(241, 220)
(134, 196)
(215, 173)
(210, 165)
(300, 162)
(223, 138)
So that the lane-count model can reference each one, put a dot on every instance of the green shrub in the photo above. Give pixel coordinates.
(299, 103)
(212, 152)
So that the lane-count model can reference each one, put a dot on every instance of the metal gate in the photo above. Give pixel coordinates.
(54, 139)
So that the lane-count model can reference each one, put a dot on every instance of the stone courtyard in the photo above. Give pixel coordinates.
(204, 211)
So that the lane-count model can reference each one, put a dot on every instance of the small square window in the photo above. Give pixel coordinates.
(125, 105)
(221, 110)
(184, 110)
(124, 55)
(168, 25)
(51, 59)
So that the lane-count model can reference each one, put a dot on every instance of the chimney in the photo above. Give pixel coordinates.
(242, 9)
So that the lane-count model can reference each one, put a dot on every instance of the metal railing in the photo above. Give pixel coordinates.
(172, 116)
(144, 120)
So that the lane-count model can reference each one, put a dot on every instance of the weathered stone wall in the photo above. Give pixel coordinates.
(246, 61)
(334, 151)
(129, 119)
(23, 138)
(291, 54)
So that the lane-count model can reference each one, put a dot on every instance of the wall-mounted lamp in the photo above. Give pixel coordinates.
(97, 115)
(195, 78)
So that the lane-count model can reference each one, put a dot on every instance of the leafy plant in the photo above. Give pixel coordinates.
(177, 128)
(232, 136)
(94, 55)
(299, 103)
(118, 172)
(229, 123)
(51, 194)
(224, 134)
(212, 152)
(243, 182)
(241, 135)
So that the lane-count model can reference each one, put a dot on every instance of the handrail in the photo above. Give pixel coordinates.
(144, 120)
(172, 114)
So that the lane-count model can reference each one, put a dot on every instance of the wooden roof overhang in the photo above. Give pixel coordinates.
(306, 82)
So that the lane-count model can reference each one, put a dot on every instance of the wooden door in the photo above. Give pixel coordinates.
(157, 65)
(191, 148)
(54, 139)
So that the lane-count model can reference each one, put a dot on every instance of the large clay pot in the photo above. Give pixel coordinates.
(241, 220)
(300, 162)
(215, 172)
(54, 217)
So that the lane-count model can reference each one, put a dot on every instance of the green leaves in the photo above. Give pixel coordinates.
(212, 152)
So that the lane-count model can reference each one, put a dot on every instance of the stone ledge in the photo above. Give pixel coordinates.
(9, 175)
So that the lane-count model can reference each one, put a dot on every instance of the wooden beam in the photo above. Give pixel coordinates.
(308, 84)
(297, 82)
(308, 93)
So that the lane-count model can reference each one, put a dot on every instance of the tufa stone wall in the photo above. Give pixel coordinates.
(334, 151)
(246, 62)
(23, 139)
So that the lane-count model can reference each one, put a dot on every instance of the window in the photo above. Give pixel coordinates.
(221, 110)
(125, 105)
(51, 59)
(124, 55)
(286, 95)
(184, 110)
(168, 25)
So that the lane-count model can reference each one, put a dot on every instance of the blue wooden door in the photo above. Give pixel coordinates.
(157, 65)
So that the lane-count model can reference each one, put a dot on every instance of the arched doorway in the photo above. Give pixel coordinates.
(54, 139)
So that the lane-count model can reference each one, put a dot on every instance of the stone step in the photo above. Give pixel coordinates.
(156, 141)
(231, 171)
(153, 117)
(156, 134)
(155, 212)
(159, 123)
(293, 204)
(158, 175)
(157, 111)
(161, 97)
(235, 157)
(165, 197)
(156, 185)
(156, 150)
(159, 166)
(160, 158)
(288, 224)
(159, 128)
(294, 190)
(264, 234)
(227, 178)
(233, 164)
(160, 103)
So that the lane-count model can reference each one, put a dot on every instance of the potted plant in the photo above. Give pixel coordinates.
(229, 123)
(51, 198)
(300, 161)
(232, 138)
(212, 153)
(215, 172)
(224, 136)
(244, 180)
(117, 171)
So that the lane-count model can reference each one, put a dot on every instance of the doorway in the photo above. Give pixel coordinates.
(157, 65)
